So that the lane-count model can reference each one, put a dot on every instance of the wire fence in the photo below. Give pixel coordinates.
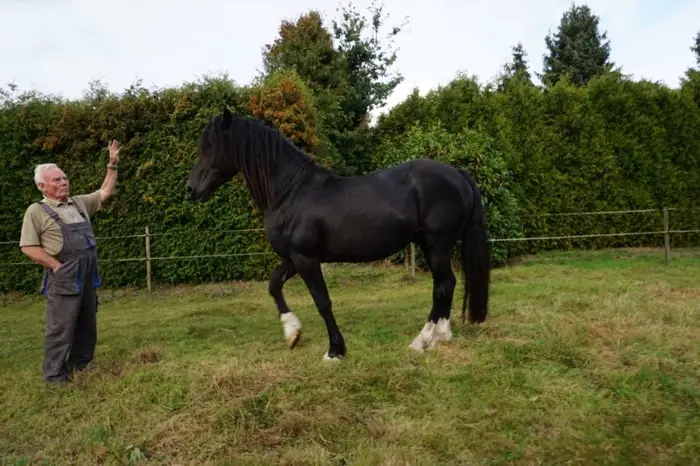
(148, 258)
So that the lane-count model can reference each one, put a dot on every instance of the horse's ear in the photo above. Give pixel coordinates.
(227, 117)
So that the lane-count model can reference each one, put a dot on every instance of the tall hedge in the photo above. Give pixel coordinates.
(613, 144)
(473, 151)
(159, 131)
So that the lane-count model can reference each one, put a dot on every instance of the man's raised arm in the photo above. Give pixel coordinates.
(110, 181)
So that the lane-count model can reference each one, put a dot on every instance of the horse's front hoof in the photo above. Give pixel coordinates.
(292, 328)
(417, 346)
(293, 338)
(332, 356)
(425, 339)
(336, 348)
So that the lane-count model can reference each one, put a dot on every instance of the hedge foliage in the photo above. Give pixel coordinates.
(159, 131)
(469, 149)
(609, 145)
(613, 144)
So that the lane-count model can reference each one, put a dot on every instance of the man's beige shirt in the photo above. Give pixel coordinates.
(39, 229)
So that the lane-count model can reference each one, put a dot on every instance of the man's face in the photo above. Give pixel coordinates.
(55, 185)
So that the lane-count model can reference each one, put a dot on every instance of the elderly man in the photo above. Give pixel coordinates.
(57, 234)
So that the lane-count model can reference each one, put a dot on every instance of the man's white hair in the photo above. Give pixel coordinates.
(39, 171)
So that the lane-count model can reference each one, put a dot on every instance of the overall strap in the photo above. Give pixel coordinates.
(55, 216)
(80, 209)
(51, 212)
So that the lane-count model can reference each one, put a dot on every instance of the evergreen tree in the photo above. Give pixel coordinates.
(516, 69)
(578, 50)
(696, 48)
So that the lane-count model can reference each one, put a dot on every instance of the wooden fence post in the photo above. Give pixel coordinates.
(148, 259)
(413, 260)
(667, 237)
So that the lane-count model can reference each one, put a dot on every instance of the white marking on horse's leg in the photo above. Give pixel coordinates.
(443, 331)
(292, 327)
(328, 358)
(425, 338)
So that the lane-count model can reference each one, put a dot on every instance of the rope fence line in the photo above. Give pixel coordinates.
(143, 235)
(593, 235)
(494, 240)
(557, 214)
(244, 230)
(156, 258)
(602, 212)
(212, 255)
(684, 231)
(611, 212)
(148, 258)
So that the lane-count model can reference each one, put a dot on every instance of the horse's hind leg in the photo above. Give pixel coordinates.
(437, 328)
(290, 322)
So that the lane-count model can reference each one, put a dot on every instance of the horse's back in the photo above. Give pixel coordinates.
(369, 217)
(418, 188)
(425, 172)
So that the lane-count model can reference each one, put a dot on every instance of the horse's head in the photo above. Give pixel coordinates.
(215, 164)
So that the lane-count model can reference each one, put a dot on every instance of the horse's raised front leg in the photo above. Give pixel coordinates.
(310, 271)
(290, 322)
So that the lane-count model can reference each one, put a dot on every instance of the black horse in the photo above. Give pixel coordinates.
(312, 215)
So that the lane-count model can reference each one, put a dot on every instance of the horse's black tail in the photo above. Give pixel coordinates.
(476, 259)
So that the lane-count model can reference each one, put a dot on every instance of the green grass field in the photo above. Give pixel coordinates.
(586, 358)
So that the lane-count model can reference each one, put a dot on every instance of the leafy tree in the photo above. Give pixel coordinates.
(578, 51)
(366, 61)
(284, 102)
(306, 47)
(696, 48)
(348, 80)
(414, 109)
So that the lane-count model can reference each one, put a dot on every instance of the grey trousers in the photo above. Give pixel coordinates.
(71, 326)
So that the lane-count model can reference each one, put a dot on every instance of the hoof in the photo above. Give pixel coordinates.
(336, 357)
(292, 328)
(293, 338)
(443, 331)
(416, 346)
(422, 345)
(425, 339)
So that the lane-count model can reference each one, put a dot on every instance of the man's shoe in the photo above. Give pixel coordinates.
(78, 367)
(61, 379)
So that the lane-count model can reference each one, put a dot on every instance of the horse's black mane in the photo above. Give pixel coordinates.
(271, 164)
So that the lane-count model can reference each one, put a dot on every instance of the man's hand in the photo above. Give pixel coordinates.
(39, 256)
(111, 177)
(113, 152)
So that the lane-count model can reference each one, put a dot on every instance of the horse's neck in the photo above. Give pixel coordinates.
(291, 174)
(269, 183)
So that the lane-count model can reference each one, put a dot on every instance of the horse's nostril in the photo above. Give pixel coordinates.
(189, 189)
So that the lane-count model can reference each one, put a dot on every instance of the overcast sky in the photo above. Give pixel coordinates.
(59, 46)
